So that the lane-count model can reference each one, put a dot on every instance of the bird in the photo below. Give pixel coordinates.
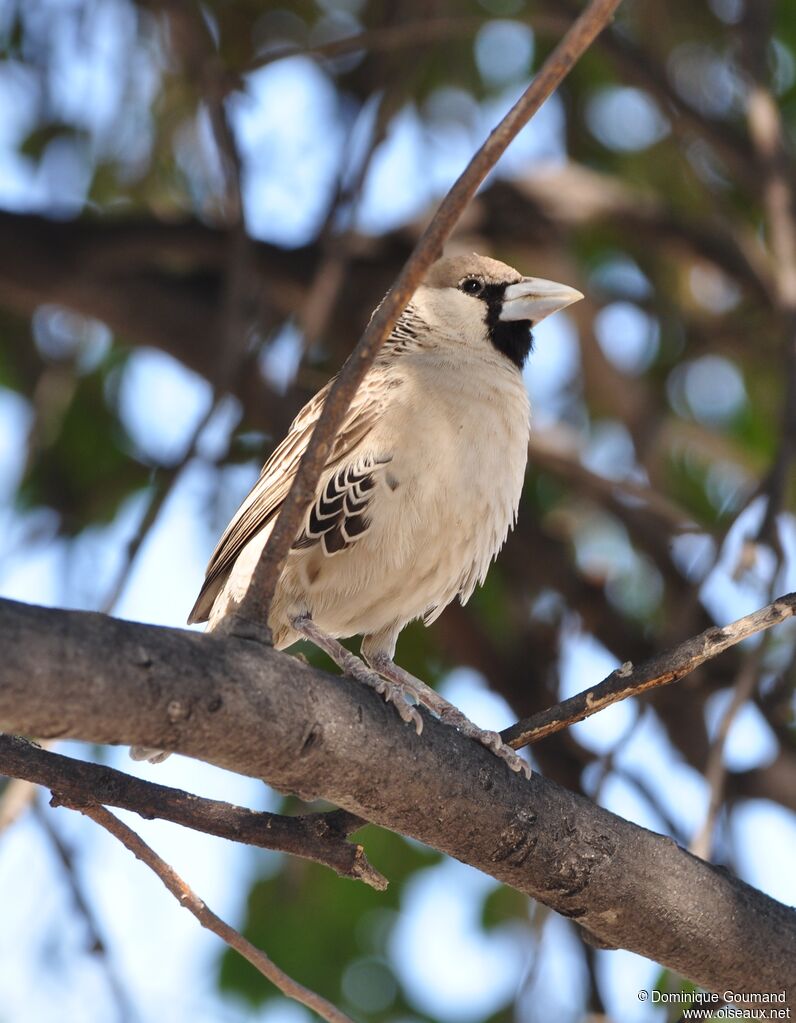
(420, 489)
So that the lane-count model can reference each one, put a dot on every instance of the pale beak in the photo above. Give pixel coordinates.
(533, 299)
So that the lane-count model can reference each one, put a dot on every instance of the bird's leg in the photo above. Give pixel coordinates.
(351, 665)
(445, 711)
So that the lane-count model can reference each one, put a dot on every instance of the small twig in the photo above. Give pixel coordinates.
(207, 918)
(320, 837)
(774, 171)
(336, 245)
(162, 487)
(649, 795)
(253, 613)
(97, 944)
(595, 1006)
(659, 671)
(607, 763)
(237, 271)
(716, 771)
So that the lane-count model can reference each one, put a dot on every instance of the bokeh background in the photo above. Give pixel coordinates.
(200, 204)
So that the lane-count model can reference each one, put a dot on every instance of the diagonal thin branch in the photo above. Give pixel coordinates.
(163, 484)
(336, 242)
(125, 1008)
(253, 613)
(647, 792)
(775, 172)
(659, 671)
(319, 836)
(238, 284)
(716, 771)
(207, 918)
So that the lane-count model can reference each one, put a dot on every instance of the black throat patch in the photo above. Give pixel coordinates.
(511, 337)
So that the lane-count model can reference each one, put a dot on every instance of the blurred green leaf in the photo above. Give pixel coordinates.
(503, 904)
(81, 461)
(304, 917)
(35, 143)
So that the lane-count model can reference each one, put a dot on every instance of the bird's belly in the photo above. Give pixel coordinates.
(440, 513)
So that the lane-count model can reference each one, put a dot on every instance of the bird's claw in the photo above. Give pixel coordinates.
(513, 759)
(407, 713)
(390, 693)
(491, 740)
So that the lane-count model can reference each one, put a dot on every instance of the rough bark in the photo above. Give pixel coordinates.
(321, 837)
(263, 713)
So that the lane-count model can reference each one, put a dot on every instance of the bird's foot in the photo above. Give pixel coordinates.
(391, 693)
(446, 712)
(355, 668)
(152, 756)
(452, 716)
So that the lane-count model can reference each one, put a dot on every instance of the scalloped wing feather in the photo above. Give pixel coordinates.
(278, 473)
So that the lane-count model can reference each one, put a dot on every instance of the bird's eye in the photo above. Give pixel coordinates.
(471, 286)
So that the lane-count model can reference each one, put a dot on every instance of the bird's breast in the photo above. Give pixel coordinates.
(459, 453)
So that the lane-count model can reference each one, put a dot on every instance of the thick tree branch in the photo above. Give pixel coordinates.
(629, 681)
(263, 713)
(319, 837)
(387, 38)
(254, 609)
(207, 918)
(161, 284)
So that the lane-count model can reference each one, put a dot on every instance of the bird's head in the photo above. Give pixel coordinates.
(480, 301)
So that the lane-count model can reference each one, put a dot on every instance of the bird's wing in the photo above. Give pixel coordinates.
(339, 515)
(271, 489)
